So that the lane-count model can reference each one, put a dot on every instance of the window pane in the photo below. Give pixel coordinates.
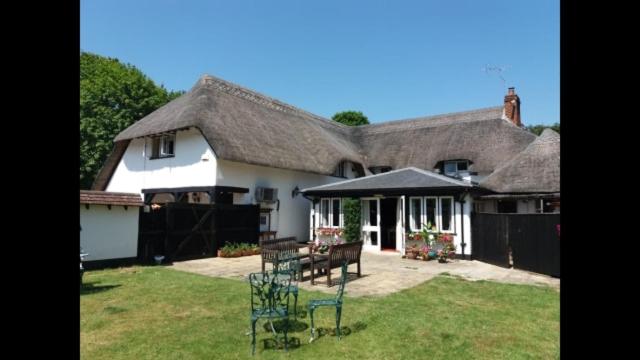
(373, 211)
(365, 213)
(416, 213)
(155, 147)
(324, 210)
(447, 213)
(507, 206)
(462, 165)
(374, 238)
(336, 212)
(450, 168)
(431, 212)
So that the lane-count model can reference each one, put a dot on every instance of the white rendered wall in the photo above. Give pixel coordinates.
(293, 217)
(194, 164)
(109, 234)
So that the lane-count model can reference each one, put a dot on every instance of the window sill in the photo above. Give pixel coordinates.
(161, 157)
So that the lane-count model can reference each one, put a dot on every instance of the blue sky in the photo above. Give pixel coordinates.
(389, 59)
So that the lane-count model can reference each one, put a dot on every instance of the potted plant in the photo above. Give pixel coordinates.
(412, 252)
(424, 252)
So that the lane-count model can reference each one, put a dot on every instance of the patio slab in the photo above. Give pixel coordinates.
(382, 274)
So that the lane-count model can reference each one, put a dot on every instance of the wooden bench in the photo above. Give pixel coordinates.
(337, 255)
(274, 249)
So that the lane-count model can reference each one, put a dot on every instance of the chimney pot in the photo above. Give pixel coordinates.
(511, 91)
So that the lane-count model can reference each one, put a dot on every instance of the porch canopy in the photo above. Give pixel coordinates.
(406, 181)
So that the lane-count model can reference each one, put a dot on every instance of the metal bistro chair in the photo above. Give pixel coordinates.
(337, 302)
(269, 300)
(289, 265)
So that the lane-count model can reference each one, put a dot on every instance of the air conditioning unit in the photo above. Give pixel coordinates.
(267, 195)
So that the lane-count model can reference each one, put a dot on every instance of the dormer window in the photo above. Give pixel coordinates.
(452, 168)
(340, 170)
(163, 146)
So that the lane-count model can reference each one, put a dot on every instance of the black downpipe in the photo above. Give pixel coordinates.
(462, 202)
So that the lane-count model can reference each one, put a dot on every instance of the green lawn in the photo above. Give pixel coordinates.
(160, 313)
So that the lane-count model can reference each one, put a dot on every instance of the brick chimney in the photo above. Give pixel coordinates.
(512, 107)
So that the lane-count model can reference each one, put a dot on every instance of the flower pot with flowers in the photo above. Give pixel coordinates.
(447, 250)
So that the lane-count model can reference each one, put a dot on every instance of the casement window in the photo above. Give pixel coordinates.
(446, 214)
(335, 212)
(340, 170)
(436, 211)
(163, 146)
(453, 167)
(415, 213)
(324, 212)
(330, 212)
(431, 210)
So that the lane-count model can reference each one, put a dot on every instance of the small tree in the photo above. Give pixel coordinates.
(352, 228)
(351, 118)
(538, 129)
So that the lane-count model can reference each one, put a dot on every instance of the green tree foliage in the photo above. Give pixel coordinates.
(352, 229)
(538, 129)
(351, 118)
(113, 96)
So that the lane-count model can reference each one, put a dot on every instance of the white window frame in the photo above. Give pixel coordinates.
(329, 223)
(411, 218)
(453, 214)
(339, 213)
(322, 207)
(163, 143)
(437, 219)
(444, 166)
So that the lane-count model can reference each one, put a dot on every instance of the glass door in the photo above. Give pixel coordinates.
(371, 223)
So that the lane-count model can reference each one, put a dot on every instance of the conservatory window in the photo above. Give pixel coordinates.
(446, 214)
(324, 212)
(416, 214)
(335, 212)
(431, 205)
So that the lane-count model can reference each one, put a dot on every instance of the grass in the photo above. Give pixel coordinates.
(160, 313)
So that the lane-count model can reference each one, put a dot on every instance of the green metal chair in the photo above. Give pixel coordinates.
(269, 300)
(337, 302)
(289, 265)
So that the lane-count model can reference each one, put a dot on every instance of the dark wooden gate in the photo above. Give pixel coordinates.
(181, 231)
(489, 242)
(532, 238)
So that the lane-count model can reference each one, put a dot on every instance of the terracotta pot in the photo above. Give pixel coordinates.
(412, 255)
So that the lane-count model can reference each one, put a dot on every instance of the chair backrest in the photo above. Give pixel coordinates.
(268, 292)
(260, 288)
(349, 252)
(343, 282)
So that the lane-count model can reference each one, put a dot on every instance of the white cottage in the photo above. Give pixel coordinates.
(221, 142)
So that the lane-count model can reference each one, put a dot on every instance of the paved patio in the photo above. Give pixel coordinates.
(382, 274)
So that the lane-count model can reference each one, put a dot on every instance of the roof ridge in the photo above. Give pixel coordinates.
(431, 117)
(354, 179)
(409, 168)
(439, 176)
(259, 98)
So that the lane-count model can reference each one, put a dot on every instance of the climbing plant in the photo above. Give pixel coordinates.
(352, 228)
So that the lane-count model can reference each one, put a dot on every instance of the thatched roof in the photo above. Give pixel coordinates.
(244, 126)
(481, 136)
(401, 179)
(535, 170)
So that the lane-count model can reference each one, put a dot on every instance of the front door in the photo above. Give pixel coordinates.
(371, 223)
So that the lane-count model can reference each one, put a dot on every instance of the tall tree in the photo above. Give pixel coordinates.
(538, 129)
(351, 118)
(113, 96)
